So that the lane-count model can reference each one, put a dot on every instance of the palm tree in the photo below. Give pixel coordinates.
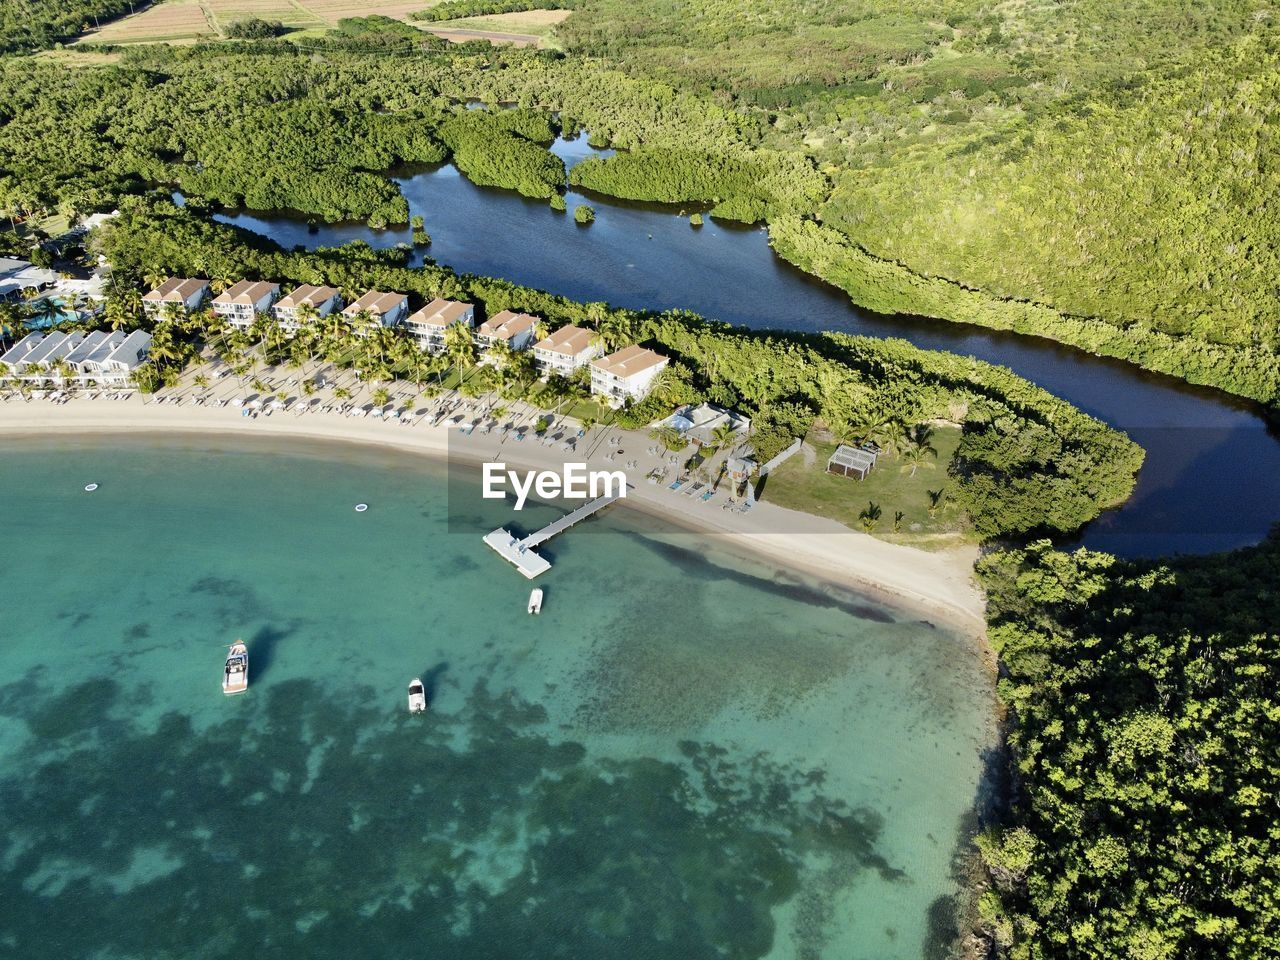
(937, 500)
(459, 346)
(914, 457)
(918, 448)
(870, 516)
(200, 380)
(381, 397)
(898, 517)
(722, 435)
(154, 277)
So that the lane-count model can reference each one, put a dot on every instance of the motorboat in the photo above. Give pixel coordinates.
(417, 696)
(535, 600)
(235, 677)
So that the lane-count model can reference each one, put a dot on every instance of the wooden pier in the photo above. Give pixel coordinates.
(519, 552)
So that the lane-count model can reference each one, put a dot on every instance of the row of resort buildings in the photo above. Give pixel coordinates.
(617, 377)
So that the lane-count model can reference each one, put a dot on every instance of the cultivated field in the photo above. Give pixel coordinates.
(186, 21)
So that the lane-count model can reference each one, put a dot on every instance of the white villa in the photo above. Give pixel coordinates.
(387, 308)
(98, 357)
(513, 329)
(323, 300)
(429, 324)
(565, 351)
(17, 276)
(699, 423)
(185, 294)
(246, 300)
(626, 374)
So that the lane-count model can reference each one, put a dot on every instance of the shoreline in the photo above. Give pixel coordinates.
(939, 584)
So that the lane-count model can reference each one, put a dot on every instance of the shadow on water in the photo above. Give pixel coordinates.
(262, 648)
(431, 679)
(702, 566)
(949, 915)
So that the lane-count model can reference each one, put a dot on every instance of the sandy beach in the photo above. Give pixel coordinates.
(940, 585)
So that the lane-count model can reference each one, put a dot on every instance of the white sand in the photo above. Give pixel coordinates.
(939, 584)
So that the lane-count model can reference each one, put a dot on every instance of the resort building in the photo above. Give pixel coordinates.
(92, 344)
(851, 461)
(387, 309)
(14, 359)
(126, 358)
(702, 422)
(322, 300)
(183, 294)
(429, 324)
(626, 375)
(514, 329)
(565, 351)
(245, 301)
(49, 352)
(19, 276)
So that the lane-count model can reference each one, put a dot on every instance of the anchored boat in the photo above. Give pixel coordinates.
(417, 696)
(535, 600)
(235, 678)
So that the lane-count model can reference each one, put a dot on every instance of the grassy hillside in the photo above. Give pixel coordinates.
(1101, 159)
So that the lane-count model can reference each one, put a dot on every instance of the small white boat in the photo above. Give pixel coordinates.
(235, 678)
(535, 600)
(417, 696)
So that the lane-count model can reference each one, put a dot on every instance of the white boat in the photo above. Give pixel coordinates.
(417, 696)
(235, 678)
(535, 600)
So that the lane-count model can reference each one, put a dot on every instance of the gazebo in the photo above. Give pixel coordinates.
(851, 461)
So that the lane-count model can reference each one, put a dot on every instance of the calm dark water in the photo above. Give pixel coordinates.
(1212, 476)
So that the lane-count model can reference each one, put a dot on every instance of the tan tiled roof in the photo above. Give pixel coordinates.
(506, 325)
(376, 303)
(629, 361)
(440, 313)
(175, 290)
(247, 292)
(568, 341)
(316, 296)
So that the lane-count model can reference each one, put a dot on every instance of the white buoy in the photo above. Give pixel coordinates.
(90, 487)
(361, 507)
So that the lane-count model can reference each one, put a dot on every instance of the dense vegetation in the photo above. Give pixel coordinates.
(505, 148)
(253, 28)
(1027, 460)
(1145, 738)
(34, 24)
(1100, 160)
(456, 9)
(744, 185)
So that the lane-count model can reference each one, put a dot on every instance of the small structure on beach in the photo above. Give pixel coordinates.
(851, 461)
(740, 468)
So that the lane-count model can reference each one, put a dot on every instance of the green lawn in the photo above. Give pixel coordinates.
(810, 488)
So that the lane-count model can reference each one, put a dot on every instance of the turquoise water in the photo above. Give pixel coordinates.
(687, 755)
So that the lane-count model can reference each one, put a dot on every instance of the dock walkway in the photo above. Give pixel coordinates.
(519, 552)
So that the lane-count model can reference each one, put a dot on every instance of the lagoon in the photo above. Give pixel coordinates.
(1205, 450)
(688, 753)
